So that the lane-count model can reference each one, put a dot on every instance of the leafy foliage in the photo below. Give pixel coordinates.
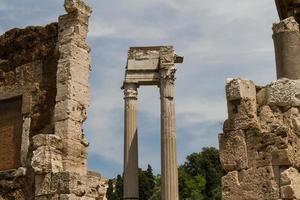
(146, 183)
(207, 165)
(199, 179)
(111, 194)
(190, 187)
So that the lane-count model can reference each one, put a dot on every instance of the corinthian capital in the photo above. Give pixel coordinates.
(168, 73)
(130, 90)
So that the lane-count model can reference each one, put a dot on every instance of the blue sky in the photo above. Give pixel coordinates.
(230, 38)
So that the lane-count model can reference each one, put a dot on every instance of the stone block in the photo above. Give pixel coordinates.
(262, 97)
(46, 159)
(69, 183)
(254, 183)
(290, 184)
(286, 25)
(71, 50)
(49, 140)
(143, 59)
(70, 109)
(73, 31)
(69, 129)
(43, 185)
(75, 148)
(237, 88)
(73, 90)
(75, 164)
(284, 92)
(75, 157)
(73, 71)
(282, 157)
(94, 186)
(233, 151)
(242, 114)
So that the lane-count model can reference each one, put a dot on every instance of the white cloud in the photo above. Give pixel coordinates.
(196, 111)
(124, 29)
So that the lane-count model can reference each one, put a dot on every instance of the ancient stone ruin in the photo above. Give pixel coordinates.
(260, 146)
(43, 103)
(151, 66)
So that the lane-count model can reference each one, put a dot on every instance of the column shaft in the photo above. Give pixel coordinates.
(130, 144)
(286, 36)
(169, 178)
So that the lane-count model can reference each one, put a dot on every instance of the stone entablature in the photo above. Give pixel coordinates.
(288, 8)
(47, 69)
(144, 64)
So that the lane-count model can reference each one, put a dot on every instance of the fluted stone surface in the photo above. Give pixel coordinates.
(130, 143)
(286, 36)
(169, 173)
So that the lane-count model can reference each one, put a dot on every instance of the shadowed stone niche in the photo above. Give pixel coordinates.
(44, 96)
(10, 133)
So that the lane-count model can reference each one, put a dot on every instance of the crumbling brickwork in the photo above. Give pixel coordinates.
(259, 148)
(45, 71)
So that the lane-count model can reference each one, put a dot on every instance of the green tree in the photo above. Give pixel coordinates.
(199, 179)
(150, 182)
(206, 164)
(110, 190)
(190, 187)
(119, 187)
(157, 188)
(146, 183)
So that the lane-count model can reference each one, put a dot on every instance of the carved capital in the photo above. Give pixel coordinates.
(168, 73)
(130, 91)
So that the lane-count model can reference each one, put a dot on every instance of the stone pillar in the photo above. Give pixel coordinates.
(286, 38)
(72, 99)
(131, 185)
(169, 178)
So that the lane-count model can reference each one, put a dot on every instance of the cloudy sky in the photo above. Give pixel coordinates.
(227, 38)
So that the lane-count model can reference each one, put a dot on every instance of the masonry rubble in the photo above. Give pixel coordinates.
(259, 147)
(47, 70)
(260, 143)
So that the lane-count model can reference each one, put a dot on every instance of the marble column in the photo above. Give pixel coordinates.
(169, 176)
(131, 185)
(286, 36)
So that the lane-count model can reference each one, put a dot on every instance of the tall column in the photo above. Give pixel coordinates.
(286, 36)
(169, 178)
(130, 143)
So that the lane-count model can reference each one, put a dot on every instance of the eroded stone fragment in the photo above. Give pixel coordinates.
(233, 158)
(286, 25)
(290, 184)
(237, 88)
(284, 92)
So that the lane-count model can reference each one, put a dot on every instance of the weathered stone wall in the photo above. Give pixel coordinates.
(28, 65)
(260, 146)
(47, 69)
